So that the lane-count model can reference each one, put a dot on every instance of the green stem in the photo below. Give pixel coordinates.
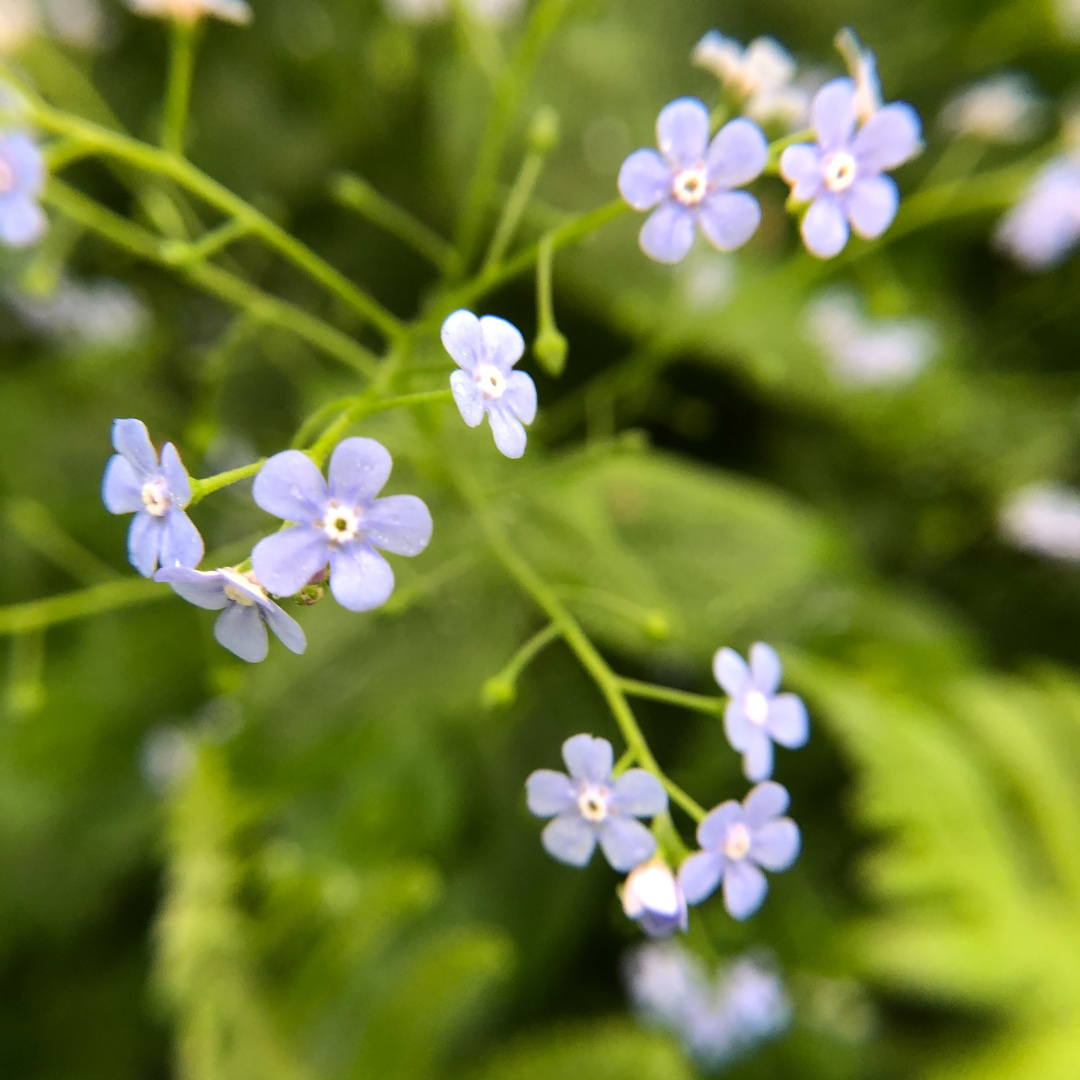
(681, 698)
(38, 614)
(772, 165)
(518, 199)
(527, 653)
(211, 279)
(40, 530)
(588, 655)
(178, 93)
(623, 763)
(160, 163)
(358, 195)
(201, 488)
(179, 253)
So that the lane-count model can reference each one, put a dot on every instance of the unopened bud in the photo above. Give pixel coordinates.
(550, 348)
(544, 131)
(310, 595)
(498, 692)
(657, 626)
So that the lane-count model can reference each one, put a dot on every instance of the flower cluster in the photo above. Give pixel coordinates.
(717, 1019)
(596, 803)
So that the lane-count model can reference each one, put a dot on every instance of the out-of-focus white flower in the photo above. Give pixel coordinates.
(1068, 18)
(76, 22)
(1043, 518)
(1004, 109)
(708, 282)
(20, 20)
(862, 66)
(166, 759)
(425, 11)
(760, 75)
(234, 11)
(99, 314)
(1041, 230)
(868, 352)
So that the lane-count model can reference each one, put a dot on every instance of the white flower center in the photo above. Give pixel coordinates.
(7, 177)
(155, 497)
(691, 185)
(341, 523)
(839, 170)
(737, 843)
(491, 380)
(756, 707)
(593, 802)
(238, 587)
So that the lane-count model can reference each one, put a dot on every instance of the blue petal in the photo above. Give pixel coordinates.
(626, 843)
(639, 793)
(766, 668)
(509, 435)
(290, 487)
(360, 578)
(644, 179)
(570, 839)
(121, 487)
(871, 205)
(729, 219)
(824, 228)
(800, 166)
(713, 830)
(144, 542)
(468, 396)
(181, 544)
(588, 758)
(888, 139)
(737, 154)
(744, 889)
(205, 589)
(776, 846)
(730, 671)
(788, 723)
(682, 132)
(359, 469)
(765, 803)
(400, 524)
(286, 561)
(668, 234)
(462, 339)
(737, 725)
(548, 793)
(699, 875)
(833, 112)
(22, 221)
(131, 439)
(286, 629)
(503, 344)
(758, 756)
(240, 629)
(26, 161)
(520, 396)
(176, 477)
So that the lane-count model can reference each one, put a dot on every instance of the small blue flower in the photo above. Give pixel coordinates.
(841, 177)
(341, 524)
(1044, 226)
(691, 182)
(246, 610)
(737, 841)
(156, 492)
(486, 350)
(22, 177)
(589, 806)
(757, 716)
(653, 898)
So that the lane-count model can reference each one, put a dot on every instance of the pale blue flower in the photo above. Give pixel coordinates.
(653, 898)
(340, 523)
(737, 841)
(1041, 230)
(691, 182)
(246, 610)
(486, 350)
(756, 716)
(590, 806)
(841, 177)
(156, 492)
(22, 178)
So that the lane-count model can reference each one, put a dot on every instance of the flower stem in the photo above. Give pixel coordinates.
(178, 93)
(527, 653)
(515, 205)
(201, 488)
(772, 165)
(37, 614)
(40, 530)
(681, 698)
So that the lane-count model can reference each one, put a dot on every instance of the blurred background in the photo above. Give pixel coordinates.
(322, 866)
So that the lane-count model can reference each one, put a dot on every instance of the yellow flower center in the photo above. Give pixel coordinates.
(155, 498)
(341, 523)
(737, 843)
(238, 586)
(691, 185)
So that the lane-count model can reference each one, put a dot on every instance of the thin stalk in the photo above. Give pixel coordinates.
(358, 195)
(712, 706)
(40, 530)
(211, 279)
(201, 488)
(109, 595)
(527, 653)
(772, 165)
(179, 253)
(178, 92)
(516, 202)
(160, 163)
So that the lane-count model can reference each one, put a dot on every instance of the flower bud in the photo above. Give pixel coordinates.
(550, 348)
(544, 131)
(653, 898)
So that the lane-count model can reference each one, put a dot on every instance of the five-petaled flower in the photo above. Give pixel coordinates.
(246, 610)
(340, 523)
(1044, 226)
(589, 806)
(653, 898)
(190, 11)
(841, 177)
(156, 492)
(486, 350)
(756, 716)
(22, 177)
(691, 182)
(737, 841)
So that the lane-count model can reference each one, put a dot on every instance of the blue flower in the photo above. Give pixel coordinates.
(156, 492)
(737, 841)
(589, 806)
(1044, 226)
(486, 350)
(341, 524)
(653, 898)
(756, 716)
(690, 182)
(841, 177)
(22, 177)
(246, 610)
